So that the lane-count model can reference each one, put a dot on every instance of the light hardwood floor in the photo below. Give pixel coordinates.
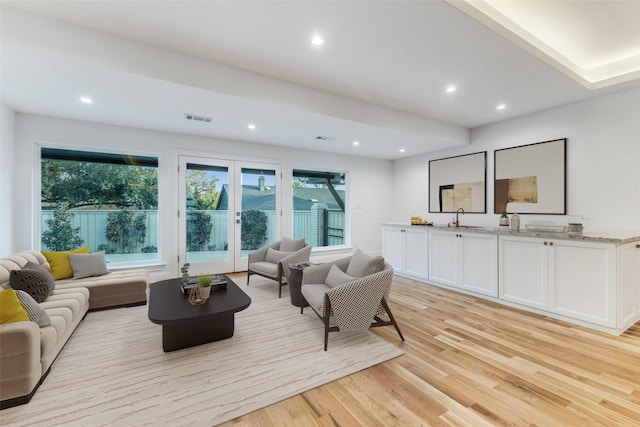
(473, 362)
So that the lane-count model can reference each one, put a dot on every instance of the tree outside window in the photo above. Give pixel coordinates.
(107, 201)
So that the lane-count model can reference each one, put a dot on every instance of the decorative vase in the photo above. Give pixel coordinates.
(205, 292)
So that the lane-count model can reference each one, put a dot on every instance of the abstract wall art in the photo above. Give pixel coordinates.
(458, 182)
(531, 179)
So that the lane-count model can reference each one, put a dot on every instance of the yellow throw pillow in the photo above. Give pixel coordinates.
(10, 308)
(60, 264)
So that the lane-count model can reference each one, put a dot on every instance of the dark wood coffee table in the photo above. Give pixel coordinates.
(185, 325)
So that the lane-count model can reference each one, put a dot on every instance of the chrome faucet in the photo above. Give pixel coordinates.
(460, 210)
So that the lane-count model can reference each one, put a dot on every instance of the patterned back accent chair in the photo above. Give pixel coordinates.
(272, 261)
(350, 294)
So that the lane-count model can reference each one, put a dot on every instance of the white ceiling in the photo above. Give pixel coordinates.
(380, 77)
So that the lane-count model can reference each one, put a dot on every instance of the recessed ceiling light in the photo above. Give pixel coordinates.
(356, 143)
(251, 126)
(451, 89)
(86, 100)
(501, 107)
(402, 150)
(317, 40)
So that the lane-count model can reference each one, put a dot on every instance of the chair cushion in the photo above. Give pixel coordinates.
(314, 294)
(265, 268)
(336, 277)
(291, 245)
(274, 256)
(362, 264)
(34, 280)
(88, 265)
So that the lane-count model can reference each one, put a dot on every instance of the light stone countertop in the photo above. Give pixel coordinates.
(619, 238)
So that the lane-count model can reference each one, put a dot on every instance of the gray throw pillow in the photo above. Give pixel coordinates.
(362, 264)
(34, 280)
(337, 277)
(274, 256)
(35, 312)
(291, 245)
(88, 265)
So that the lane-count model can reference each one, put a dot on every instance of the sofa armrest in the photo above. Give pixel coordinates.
(355, 303)
(19, 350)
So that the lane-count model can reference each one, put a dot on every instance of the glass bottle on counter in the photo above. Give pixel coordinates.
(515, 222)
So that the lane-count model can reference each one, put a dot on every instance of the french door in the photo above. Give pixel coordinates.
(228, 208)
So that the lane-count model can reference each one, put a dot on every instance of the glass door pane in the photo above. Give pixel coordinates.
(206, 225)
(259, 208)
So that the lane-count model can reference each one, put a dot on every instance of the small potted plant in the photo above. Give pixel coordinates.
(185, 273)
(204, 281)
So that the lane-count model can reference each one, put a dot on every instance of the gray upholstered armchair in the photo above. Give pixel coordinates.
(272, 261)
(350, 294)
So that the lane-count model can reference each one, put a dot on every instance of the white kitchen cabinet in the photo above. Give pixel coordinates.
(523, 271)
(406, 249)
(629, 299)
(464, 260)
(571, 278)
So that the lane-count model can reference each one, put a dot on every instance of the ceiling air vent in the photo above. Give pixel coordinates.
(198, 118)
(325, 138)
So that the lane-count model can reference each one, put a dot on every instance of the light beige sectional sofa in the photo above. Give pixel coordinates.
(28, 350)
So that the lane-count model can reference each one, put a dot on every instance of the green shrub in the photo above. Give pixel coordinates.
(254, 229)
(198, 230)
(61, 236)
(126, 230)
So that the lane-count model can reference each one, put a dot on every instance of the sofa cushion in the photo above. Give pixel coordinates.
(35, 312)
(10, 308)
(88, 265)
(337, 277)
(362, 264)
(274, 256)
(34, 280)
(291, 245)
(59, 262)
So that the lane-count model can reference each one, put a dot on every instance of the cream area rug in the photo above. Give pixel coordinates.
(113, 370)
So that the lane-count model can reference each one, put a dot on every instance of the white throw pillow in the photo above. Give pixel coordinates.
(88, 265)
(274, 256)
(362, 264)
(337, 277)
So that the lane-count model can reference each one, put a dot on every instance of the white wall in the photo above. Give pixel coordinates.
(369, 179)
(7, 135)
(603, 163)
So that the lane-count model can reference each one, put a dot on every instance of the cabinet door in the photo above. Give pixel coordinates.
(523, 271)
(443, 257)
(393, 244)
(479, 263)
(582, 279)
(629, 309)
(416, 253)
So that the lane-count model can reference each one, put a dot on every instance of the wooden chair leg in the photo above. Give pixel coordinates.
(393, 320)
(326, 332)
(327, 320)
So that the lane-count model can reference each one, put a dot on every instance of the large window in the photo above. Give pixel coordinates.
(105, 201)
(319, 207)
